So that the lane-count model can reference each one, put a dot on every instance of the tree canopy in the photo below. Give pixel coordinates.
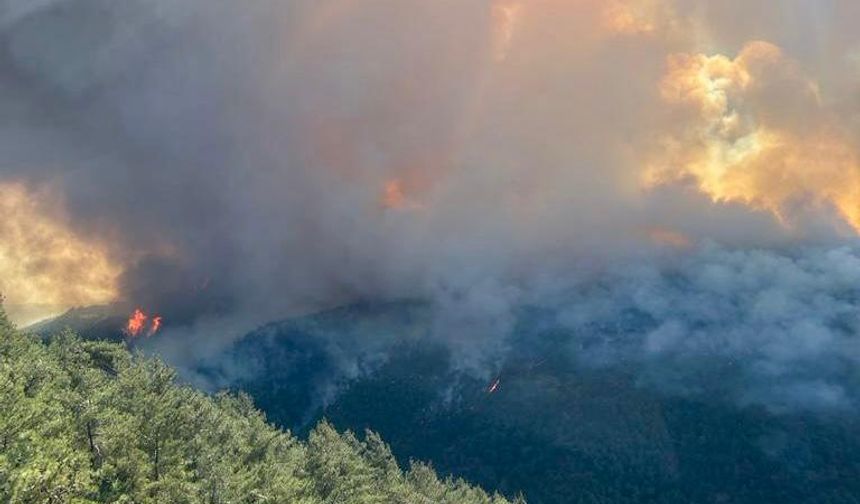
(88, 422)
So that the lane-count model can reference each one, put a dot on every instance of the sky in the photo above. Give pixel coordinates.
(231, 161)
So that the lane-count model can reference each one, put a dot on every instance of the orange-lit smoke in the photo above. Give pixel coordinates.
(525, 126)
(45, 268)
(394, 197)
(506, 14)
(628, 18)
(669, 238)
(752, 130)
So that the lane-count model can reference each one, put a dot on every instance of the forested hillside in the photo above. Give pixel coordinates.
(85, 421)
(560, 431)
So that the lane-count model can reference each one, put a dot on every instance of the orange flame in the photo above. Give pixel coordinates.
(135, 323)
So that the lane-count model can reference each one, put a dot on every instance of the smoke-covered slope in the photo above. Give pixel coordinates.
(559, 432)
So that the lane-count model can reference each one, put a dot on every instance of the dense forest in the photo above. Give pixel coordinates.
(87, 421)
(558, 431)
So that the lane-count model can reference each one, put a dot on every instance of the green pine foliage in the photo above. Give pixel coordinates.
(87, 422)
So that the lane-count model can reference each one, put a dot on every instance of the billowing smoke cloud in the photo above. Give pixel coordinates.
(249, 161)
(750, 326)
(762, 137)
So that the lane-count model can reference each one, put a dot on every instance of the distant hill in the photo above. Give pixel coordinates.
(104, 323)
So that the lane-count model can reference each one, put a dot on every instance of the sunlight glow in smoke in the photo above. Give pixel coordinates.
(44, 267)
(736, 146)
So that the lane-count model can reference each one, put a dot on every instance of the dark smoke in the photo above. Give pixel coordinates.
(233, 156)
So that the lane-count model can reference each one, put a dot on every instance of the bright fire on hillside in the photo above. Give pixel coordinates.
(137, 323)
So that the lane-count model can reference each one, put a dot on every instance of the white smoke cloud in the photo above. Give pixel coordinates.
(773, 329)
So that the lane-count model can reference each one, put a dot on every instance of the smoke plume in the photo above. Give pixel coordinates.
(238, 162)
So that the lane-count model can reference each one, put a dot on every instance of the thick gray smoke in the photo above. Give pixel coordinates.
(244, 161)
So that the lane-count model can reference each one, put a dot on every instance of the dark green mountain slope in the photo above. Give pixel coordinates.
(559, 432)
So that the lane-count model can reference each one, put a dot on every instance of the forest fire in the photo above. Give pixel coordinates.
(137, 323)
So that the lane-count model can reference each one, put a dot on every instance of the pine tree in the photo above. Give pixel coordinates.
(87, 422)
